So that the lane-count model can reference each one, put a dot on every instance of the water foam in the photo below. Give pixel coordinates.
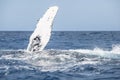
(53, 60)
(113, 53)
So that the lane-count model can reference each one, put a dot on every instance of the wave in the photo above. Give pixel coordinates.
(113, 53)
(53, 60)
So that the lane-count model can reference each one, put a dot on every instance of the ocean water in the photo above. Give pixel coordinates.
(69, 55)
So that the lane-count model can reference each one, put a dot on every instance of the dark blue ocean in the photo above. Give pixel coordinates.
(69, 55)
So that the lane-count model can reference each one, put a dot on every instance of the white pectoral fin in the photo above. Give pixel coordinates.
(42, 33)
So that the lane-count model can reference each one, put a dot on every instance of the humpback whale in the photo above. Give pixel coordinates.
(41, 35)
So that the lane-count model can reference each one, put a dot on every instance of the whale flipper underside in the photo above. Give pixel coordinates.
(41, 35)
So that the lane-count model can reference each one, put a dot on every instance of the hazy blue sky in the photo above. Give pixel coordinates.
(72, 15)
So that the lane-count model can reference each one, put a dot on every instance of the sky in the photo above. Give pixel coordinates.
(73, 15)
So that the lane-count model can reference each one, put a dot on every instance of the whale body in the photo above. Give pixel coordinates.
(41, 35)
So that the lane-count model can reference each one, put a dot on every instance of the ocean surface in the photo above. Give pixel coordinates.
(69, 55)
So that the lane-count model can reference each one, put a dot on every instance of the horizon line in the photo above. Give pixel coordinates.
(58, 30)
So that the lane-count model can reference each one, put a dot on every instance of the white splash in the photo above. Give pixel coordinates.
(62, 60)
(113, 53)
(41, 35)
